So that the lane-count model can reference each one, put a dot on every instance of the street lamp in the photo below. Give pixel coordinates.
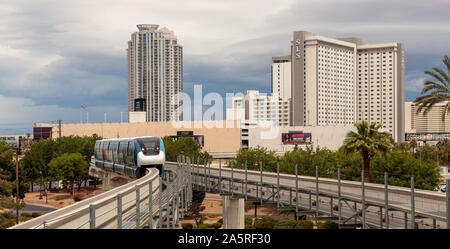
(40, 188)
(17, 184)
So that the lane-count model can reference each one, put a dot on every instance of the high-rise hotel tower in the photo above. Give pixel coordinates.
(341, 81)
(155, 74)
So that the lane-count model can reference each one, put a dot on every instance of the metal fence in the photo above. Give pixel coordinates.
(350, 203)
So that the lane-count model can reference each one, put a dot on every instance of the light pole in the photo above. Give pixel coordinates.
(17, 185)
(40, 188)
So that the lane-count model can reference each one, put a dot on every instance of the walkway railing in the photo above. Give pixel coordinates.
(150, 202)
(350, 203)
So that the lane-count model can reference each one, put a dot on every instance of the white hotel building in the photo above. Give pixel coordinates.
(155, 75)
(336, 82)
(281, 76)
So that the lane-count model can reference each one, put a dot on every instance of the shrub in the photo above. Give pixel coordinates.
(248, 206)
(285, 224)
(35, 214)
(77, 197)
(187, 225)
(213, 216)
(264, 223)
(26, 215)
(327, 225)
(304, 224)
(204, 226)
(216, 225)
(61, 202)
(220, 220)
(248, 221)
(249, 227)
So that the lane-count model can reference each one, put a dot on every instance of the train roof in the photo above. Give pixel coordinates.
(123, 139)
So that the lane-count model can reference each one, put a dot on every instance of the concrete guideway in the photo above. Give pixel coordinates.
(126, 206)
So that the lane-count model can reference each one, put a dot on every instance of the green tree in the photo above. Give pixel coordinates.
(253, 156)
(368, 140)
(285, 224)
(265, 222)
(401, 166)
(304, 224)
(403, 147)
(70, 167)
(444, 148)
(36, 160)
(437, 90)
(413, 145)
(184, 146)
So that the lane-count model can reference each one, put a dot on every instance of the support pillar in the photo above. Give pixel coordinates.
(233, 212)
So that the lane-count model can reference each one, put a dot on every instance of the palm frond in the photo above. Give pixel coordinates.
(443, 75)
(447, 63)
(435, 75)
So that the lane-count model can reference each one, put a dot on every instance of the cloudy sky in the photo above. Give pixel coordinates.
(56, 55)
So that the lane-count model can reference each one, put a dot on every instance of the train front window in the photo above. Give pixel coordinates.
(149, 146)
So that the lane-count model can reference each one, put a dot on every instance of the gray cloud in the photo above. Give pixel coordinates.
(57, 55)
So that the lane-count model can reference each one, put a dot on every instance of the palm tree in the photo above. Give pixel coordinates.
(444, 147)
(368, 141)
(413, 145)
(403, 147)
(436, 91)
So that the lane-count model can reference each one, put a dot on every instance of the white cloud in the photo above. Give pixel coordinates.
(414, 83)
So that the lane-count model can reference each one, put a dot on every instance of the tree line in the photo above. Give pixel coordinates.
(399, 162)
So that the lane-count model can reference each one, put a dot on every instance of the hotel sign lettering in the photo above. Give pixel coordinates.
(298, 49)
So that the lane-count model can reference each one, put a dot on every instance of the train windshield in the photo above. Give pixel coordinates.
(150, 145)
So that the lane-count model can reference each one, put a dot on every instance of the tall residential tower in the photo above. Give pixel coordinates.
(155, 74)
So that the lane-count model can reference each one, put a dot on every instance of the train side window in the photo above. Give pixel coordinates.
(109, 151)
(130, 152)
(115, 152)
(104, 150)
(96, 150)
(121, 152)
(100, 151)
(125, 152)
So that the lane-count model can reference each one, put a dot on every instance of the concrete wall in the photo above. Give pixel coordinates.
(220, 136)
(331, 137)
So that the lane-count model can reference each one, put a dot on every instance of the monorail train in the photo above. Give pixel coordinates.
(130, 156)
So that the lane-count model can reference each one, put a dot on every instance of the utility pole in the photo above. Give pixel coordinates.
(87, 117)
(121, 117)
(40, 188)
(59, 127)
(17, 185)
(105, 117)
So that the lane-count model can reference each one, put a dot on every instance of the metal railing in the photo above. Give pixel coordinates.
(150, 203)
(367, 204)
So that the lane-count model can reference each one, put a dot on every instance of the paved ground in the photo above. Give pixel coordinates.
(30, 208)
(60, 198)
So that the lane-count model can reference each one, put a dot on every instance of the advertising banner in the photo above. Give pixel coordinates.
(296, 138)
